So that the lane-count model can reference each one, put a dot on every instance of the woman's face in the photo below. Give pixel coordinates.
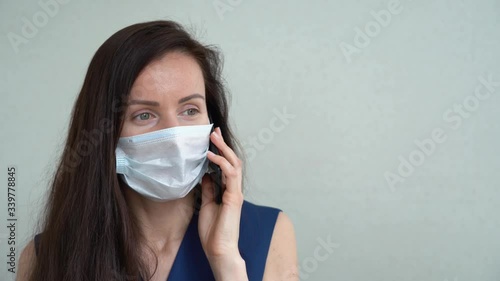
(169, 92)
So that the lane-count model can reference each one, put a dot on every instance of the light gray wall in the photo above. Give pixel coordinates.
(357, 106)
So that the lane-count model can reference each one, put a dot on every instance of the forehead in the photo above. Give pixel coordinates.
(173, 75)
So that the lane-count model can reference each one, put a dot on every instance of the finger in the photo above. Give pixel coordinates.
(231, 174)
(207, 190)
(223, 163)
(223, 179)
(224, 149)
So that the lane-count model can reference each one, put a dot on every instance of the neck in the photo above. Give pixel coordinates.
(161, 223)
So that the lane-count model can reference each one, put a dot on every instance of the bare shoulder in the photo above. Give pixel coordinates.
(26, 261)
(282, 263)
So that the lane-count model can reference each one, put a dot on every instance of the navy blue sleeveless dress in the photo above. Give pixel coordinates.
(256, 230)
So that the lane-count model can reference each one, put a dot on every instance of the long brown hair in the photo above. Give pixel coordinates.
(88, 231)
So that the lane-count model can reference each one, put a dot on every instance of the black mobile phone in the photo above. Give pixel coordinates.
(215, 173)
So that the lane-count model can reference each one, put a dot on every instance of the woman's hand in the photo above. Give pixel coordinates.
(219, 225)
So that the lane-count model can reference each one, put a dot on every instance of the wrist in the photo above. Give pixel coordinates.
(231, 268)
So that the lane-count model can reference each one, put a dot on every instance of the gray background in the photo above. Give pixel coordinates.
(354, 117)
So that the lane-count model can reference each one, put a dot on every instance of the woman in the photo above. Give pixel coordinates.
(153, 100)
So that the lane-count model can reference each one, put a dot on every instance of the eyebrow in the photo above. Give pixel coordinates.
(193, 96)
(145, 102)
(155, 103)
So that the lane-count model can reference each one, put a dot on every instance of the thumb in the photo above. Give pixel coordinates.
(207, 190)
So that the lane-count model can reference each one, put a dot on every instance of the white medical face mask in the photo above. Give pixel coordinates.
(166, 164)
